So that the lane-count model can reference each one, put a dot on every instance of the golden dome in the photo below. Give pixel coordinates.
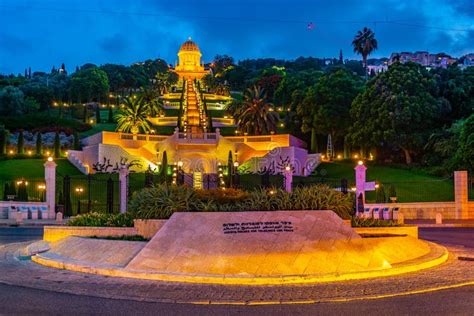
(189, 45)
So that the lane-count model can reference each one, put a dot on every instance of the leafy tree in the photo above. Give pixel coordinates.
(13, 102)
(256, 116)
(456, 87)
(334, 93)
(133, 118)
(39, 144)
(396, 109)
(21, 143)
(57, 146)
(89, 84)
(464, 157)
(221, 63)
(295, 81)
(364, 44)
(305, 110)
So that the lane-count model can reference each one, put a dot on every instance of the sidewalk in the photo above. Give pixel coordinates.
(29, 222)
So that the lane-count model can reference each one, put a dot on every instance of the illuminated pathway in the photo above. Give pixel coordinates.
(193, 117)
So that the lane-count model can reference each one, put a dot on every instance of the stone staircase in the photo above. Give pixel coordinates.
(75, 158)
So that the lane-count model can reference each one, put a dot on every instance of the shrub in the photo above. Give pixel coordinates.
(222, 196)
(162, 201)
(102, 220)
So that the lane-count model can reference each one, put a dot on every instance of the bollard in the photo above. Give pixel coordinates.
(59, 218)
(18, 218)
(400, 219)
(439, 218)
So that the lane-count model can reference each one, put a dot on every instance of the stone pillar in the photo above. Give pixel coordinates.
(288, 179)
(461, 195)
(50, 179)
(123, 178)
(360, 176)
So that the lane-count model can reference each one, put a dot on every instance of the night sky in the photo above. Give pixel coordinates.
(44, 33)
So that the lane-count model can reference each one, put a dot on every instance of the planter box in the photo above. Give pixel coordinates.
(148, 227)
(411, 231)
(55, 233)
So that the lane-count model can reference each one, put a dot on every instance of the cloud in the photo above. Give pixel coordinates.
(46, 33)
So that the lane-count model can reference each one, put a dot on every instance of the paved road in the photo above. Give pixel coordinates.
(449, 236)
(19, 234)
(19, 300)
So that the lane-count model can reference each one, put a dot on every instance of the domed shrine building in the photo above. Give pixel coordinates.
(189, 65)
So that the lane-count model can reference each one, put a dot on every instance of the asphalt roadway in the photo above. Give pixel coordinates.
(16, 300)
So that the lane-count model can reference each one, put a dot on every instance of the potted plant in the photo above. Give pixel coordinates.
(392, 194)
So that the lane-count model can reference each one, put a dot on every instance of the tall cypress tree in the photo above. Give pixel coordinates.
(57, 145)
(3, 140)
(21, 143)
(111, 115)
(39, 144)
(164, 167)
(22, 193)
(6, 189)
(84, 113)
(230, 168)
(77, 142)
(97, 114)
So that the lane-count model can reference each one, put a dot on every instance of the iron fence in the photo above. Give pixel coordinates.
(89, 193)
(342, 185)
(254, 181)
(23, 190)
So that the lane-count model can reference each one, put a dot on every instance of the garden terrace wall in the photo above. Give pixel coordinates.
(55, 233)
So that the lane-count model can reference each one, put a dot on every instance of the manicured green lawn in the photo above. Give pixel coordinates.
(171, 112)
(13, 169)
(410, 185)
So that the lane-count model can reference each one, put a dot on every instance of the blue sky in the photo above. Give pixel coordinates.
(43, 33)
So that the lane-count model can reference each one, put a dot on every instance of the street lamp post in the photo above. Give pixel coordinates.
(79, 191)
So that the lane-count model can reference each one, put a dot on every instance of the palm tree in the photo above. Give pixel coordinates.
(364, 44)
(152, 97)
(133, 117)
(256, 115)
